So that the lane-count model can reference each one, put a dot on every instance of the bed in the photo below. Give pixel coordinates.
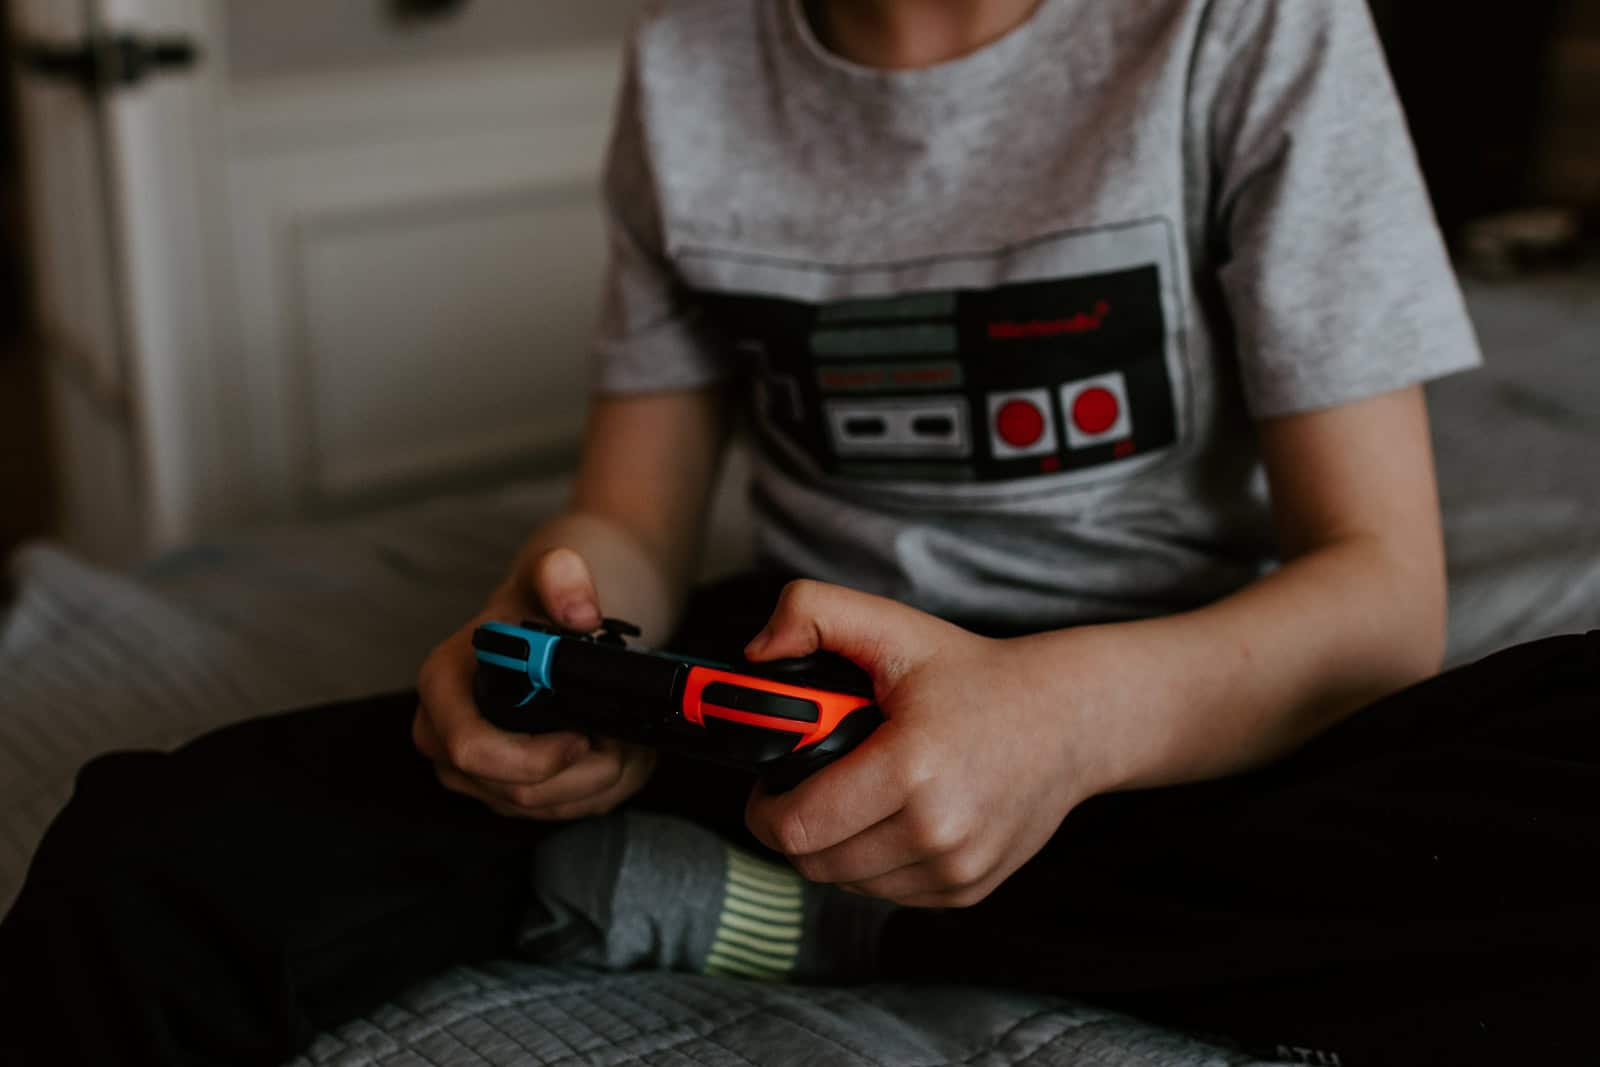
(287, 617)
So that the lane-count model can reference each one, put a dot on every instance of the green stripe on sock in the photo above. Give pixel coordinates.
(771, 883)
(764, 897)
(780, 963)
(761, 922)
(782, 932)
(764, 868)
(765, 875)
(760, 944)
(735, 906)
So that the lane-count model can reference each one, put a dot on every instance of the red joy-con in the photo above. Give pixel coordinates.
(832, 708)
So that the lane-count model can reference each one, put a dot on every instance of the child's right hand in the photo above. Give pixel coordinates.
(542, 776)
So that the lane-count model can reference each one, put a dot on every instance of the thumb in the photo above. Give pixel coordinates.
(882, 636)
(564, 590)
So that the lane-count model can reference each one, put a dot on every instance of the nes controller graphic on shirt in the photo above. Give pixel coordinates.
(1021, 380)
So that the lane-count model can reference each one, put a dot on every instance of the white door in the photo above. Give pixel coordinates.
(317, 255)
(108, 95)
(415, 223)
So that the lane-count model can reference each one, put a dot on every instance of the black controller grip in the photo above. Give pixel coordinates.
(786, 772)
(502, 698)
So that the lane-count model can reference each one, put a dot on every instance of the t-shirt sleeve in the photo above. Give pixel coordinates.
(649, 336)
(1332, 265)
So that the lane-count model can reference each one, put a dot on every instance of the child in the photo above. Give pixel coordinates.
(1035, 301)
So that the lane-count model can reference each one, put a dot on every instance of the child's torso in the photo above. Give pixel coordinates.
(971, 304)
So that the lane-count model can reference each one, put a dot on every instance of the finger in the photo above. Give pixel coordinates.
(457, 782)
(470, 743)
(622, 779)
(895, 843)
(427, 740)
(424, 738)
(928, 885)
(581, 747)
(595, 773)
(834, 805)
(635, 773)
(565, 591)
(477, 749)
(950, 898)
(874, 632)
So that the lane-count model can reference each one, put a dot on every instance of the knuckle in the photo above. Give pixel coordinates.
(451, 781)
(523, 796)
(790, 834)
(936, 829)
(915, 766)
(960, 871)
(634, 778)
(797, 595)
(545, 761)
(464, 751)
(422, 735)
(617, 774)
(810, 868)
(597, 803)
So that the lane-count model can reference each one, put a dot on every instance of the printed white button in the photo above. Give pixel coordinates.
(925, 427)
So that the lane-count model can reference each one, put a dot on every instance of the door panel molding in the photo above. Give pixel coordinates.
(521, 326)
(307, 172)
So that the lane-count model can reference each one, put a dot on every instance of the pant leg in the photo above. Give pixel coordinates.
(1418, 885)
(224, 902)
(221, 903)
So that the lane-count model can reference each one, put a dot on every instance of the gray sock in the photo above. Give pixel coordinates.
(636, 890)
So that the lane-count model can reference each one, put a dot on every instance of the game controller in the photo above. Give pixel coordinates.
(783, 720)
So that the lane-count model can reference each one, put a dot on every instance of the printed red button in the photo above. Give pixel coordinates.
(1095, 410)
(1019, 423)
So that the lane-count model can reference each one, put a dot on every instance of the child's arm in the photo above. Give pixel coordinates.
(638, 508)
(989, 744)
(627, 544)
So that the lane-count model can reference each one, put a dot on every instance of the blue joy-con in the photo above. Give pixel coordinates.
(528, 652)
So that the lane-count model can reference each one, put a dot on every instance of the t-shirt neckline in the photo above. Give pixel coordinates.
(982, 66)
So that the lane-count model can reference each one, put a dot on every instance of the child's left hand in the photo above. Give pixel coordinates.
(971, 773)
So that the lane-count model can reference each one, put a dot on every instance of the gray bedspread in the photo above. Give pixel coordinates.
(290, 617)
(525, 1014)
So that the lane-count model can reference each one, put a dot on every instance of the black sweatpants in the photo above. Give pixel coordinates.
(1416, 886)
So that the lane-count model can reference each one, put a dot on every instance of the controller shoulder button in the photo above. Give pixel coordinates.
(613, 632)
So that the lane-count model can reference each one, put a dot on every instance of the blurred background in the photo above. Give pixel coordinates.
(264, 261)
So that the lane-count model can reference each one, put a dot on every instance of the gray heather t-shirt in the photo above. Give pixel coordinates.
(1005, 322)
